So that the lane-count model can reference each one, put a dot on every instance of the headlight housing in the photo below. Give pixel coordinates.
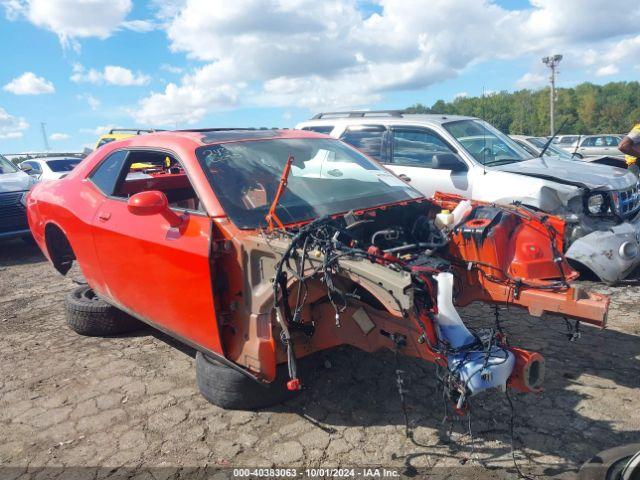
(597, 204)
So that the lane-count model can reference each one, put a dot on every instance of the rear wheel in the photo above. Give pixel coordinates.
(228, 388)
(88, 314)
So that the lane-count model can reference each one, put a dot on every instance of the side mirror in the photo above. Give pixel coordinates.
(153, 202)
(26, 168)
(448, 161)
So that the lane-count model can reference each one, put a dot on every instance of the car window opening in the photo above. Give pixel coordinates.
(146, 170)
(123, 174)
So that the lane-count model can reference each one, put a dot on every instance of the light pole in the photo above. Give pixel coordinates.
(552, 62)
(44, 136)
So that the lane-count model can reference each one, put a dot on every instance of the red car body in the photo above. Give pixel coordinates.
(185, 272)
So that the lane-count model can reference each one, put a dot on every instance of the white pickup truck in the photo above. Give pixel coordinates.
(464, 155)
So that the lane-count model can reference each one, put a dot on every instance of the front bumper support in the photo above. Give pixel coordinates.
(603, 251)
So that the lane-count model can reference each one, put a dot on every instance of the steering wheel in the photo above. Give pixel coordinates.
(486, 153)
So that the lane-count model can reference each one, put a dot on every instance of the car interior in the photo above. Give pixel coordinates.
(147, 170)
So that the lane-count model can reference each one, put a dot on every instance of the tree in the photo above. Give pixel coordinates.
(586, 109)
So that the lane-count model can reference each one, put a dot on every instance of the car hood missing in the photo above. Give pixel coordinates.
(570, 172)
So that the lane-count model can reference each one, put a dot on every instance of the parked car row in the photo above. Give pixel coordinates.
(50, 168)
(536, 145)
(584, 146)
(595, 145)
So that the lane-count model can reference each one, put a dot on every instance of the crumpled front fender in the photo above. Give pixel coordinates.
(603, 251)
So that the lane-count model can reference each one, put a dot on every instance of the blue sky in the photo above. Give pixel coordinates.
(82, 66)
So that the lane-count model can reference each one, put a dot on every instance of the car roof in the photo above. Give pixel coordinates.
(400, 119)
(200, 137)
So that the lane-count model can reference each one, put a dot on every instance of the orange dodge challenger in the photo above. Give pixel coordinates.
(265, 246)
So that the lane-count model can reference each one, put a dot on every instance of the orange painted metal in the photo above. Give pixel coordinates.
(517, 262)
(272, 218)
(528, 371)
(160, 272)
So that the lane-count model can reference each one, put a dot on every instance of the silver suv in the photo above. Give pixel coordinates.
(595, 145)
(464, 155)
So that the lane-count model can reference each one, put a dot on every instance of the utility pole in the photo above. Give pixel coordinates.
(44, 136)
(552, 62)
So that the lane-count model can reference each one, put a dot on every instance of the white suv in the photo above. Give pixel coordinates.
(467, 156)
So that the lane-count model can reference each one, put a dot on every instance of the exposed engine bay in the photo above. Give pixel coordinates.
(389, 278)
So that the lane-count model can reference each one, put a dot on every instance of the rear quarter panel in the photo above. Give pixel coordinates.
(70, 204)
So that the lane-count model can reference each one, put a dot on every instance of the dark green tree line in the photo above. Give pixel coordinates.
(587, 109)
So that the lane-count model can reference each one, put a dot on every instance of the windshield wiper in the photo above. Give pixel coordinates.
(272, 217)
(546, 145)
(503, 161)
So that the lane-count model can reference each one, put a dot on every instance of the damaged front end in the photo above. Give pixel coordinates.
(387, 277)
(601, 209)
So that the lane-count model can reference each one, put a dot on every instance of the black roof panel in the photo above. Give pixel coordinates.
(213, 135)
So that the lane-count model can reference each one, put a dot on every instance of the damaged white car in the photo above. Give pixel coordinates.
(467, 156)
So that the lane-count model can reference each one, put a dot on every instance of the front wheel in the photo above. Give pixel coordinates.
(87, 314)
(228, 388)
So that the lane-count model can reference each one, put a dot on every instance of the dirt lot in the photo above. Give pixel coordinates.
(67, 400)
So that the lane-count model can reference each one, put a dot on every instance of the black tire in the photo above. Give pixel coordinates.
(87, 314)
(228, 388)
(608, 465)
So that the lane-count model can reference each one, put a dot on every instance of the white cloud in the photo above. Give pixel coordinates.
(314, 54)
(29, 84)
(607, 70)
(115, 75)
(171, 68)
(140, 26)
(100, 130)
(10, 126)
(554, 23)
(59, 136)
(460, 95)
(71, 19)
(614, 57)
(13, 9)
(188, 102)
(531, 79)
(93, 102)
(110, 75)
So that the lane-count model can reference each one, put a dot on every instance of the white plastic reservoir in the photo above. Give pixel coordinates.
(479, 370)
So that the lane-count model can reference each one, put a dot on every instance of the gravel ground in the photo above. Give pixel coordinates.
(67, 400)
